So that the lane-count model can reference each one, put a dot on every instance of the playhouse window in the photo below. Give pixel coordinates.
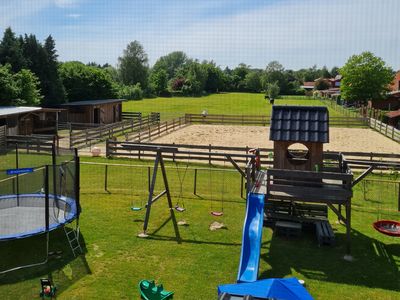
(298, 153)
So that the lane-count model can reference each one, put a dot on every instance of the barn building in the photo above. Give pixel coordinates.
(93, 111)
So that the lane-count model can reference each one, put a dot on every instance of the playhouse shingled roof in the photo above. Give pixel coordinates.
(299, 124)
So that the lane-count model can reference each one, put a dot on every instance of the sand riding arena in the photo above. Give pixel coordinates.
(341, 139)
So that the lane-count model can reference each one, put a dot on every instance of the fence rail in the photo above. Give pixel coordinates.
(156, 129)
(36, 143)
(385, 129)
(265, 120)
(87, 137)
(357, 161)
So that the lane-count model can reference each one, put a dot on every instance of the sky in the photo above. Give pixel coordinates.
(297, 33)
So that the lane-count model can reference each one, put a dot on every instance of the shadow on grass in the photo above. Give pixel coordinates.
(64, 269)
(374, 264)
(173, 239)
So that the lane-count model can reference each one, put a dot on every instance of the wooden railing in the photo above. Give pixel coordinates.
(156, 129)
(88, 137)
(333, 161)
(3, 140)
(385, 129)
(264, 120)
(32, 143)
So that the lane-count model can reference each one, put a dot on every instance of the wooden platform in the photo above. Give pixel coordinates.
(288, 228)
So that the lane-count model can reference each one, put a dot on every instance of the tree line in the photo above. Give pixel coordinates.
(30, 74)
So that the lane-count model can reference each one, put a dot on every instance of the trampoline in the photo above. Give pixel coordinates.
(24, 215)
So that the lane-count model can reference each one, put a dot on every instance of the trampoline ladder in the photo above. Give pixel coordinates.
(73, 240)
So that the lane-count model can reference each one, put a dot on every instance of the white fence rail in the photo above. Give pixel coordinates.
(385, 129)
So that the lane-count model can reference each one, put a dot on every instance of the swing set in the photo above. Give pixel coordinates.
(249, 175)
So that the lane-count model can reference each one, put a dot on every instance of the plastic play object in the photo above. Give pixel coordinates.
(48, 289)
(272, 288)
(388, 227)
(149, 291)
(251, 242)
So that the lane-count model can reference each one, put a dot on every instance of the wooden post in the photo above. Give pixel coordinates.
(148, 178)
(348, 227)
(195, 184)
(173, 154)
(209, 154)
(106, 178)
(241, 186)
(398, 197)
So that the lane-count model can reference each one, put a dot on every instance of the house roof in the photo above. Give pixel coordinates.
(16, 110)
(300, 124)
(92, 102)
(393, 114)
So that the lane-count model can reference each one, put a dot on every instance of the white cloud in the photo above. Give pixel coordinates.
(74, 16)
(67, 3)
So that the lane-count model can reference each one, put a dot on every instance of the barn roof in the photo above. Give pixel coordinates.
(92, 102)
(300, 124)
(16, 110)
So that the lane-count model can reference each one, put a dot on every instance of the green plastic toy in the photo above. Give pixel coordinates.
(149, 291)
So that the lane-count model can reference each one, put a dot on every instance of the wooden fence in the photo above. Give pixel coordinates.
(32, 143)
(156, 129)
(90, 136)
(385, 129)
(357, 161)
(3, 141)
(264, 120)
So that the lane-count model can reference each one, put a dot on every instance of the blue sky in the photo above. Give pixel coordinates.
(297, 33)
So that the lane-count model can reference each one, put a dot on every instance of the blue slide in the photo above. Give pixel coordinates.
(251, 242)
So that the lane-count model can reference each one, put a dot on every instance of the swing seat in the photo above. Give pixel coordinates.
(217, 213)
(136, 208)
(388, 227)
(179, 209)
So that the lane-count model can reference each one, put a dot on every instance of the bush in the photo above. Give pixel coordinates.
(131, 92)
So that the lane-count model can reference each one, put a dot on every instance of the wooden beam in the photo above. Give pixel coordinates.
(337, 212)
(363, 175)
(236, 166)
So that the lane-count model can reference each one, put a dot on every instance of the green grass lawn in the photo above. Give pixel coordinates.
(224, 103)
(115, 259)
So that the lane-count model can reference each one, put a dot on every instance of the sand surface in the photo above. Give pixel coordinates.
(341, 139)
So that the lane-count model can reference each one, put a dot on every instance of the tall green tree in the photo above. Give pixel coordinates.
(238, 77)
(365, 77)
(52, 87)
(86, 83)
(272, 90)
(11, 51)
(42, 60)
(171, 63)
(214, 81)
(9, 90)
(28, 92)
(274, 73)
(133, 65)
(158, 81)
(196, 78)
(253, 81)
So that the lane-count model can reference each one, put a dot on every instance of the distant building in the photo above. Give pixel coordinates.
(308, 85)
(395, 85)
(93, 111)
(23, 120)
